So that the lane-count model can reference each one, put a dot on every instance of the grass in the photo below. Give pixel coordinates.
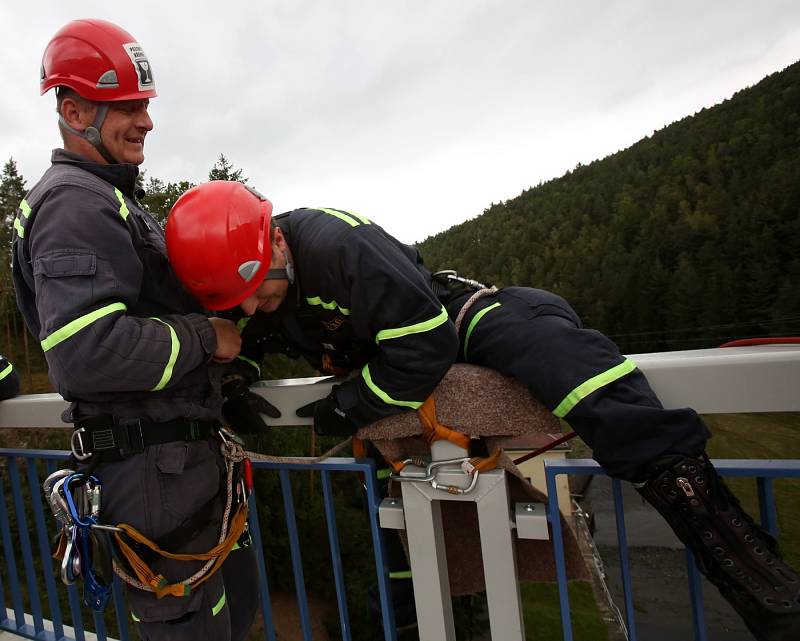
(542, 614)
(763, 436)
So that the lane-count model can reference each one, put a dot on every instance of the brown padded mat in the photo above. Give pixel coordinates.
(487, 405)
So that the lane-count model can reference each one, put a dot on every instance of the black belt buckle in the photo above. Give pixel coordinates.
(130, 436)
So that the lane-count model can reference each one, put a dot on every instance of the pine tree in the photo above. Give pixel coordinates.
(223, 169)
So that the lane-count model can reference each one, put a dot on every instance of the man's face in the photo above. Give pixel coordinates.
(271, 293)
(124, 130)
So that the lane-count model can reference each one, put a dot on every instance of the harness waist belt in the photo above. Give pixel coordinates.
(120, 438)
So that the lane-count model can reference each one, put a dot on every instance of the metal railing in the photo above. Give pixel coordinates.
(25, 490)
(763, 471)
(731, 380)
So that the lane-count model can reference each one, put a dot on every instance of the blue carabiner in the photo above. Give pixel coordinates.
(73, 510)
(95, 593)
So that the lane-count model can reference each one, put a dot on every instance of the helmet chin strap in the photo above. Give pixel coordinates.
(92, 133)
(278, 273)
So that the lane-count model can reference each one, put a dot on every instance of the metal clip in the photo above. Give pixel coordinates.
(76, 445)
(430, 475)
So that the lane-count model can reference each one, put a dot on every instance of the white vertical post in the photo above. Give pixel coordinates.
(500, 564)
(428, 562)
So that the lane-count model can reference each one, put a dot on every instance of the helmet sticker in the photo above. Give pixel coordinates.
(141, 64)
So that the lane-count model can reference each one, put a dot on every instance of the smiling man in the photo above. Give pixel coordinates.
(130, 349)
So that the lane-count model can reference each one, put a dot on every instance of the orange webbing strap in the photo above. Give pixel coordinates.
(359, 450)
(156, 581)
(61, 549)
(434, 430)
(486, 464)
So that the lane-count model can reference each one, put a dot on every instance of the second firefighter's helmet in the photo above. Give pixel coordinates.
(218, 242)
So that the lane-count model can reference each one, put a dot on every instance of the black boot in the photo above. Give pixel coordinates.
(731, 550)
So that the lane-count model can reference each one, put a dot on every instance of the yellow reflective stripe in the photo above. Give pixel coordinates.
(592, 385)
(250, 362)
(173, 357)
(243, 323)
(383, 473)
(123, 208)
(400, 574)
(327, 305)
(354, 220)
(25, 208)
(134, 617)
(6, 371)
(19, 228)
(73, 327)
(416, 328)
(414, 405)
(220, 604)
(474, 322)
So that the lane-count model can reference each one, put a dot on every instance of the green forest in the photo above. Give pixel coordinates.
(687, 239)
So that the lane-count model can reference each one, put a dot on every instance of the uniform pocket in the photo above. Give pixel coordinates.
(65, 262)
(188, 478)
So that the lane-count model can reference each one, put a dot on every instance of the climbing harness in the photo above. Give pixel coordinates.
(471, 466)
(85, 551)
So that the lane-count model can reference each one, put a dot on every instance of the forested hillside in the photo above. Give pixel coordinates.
(688, 238)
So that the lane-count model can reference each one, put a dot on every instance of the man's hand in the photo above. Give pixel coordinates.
(229, 340)
(243, 408)
(329, 419)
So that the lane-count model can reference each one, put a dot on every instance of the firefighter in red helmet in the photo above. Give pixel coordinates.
(350, 298)
(137, 357)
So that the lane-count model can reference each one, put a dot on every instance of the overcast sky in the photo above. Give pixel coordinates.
(417, 114)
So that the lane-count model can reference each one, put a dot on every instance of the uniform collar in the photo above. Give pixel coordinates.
(122, 176)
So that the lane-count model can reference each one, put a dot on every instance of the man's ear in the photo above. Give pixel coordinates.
(278, 239)
(76, 114)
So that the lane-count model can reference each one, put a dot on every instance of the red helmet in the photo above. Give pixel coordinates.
(99, 61)
(218, 242)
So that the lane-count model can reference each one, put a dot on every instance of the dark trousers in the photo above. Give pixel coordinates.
(535, 337)
(157, 491)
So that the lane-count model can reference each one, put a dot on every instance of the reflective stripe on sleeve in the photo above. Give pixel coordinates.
(316, 300)
(6, 371)
(400, 574)
(73, 327)
(25, 210)
(354, 220)
(414, 405)
(123, 208)
(242, 323)
(592, 385)
(416, 328)
(474, 322)
(173, 357)
(220, 604)
(250, 362)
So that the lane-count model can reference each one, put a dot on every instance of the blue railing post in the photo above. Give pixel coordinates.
(44, 549)
(766, 502)
(624, 559)
(336, 556)
(379, 547)
(297, 558)
(25, 546)
(255, 532)
(11, 563)
(696, 596)
(554, 516)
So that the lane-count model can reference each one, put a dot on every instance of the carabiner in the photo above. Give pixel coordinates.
(76, 445)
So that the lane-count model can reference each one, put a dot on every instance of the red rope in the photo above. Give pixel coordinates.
(769, 340)
(544, 449)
